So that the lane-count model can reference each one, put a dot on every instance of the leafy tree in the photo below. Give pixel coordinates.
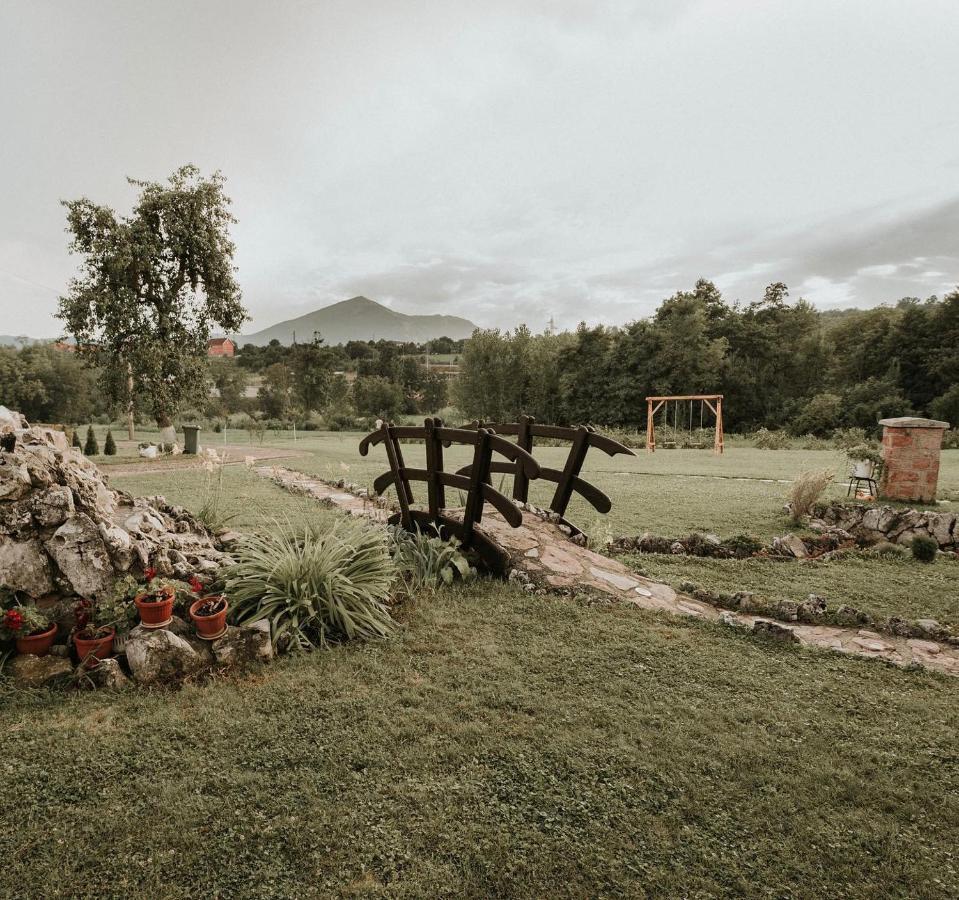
(874, 399)
(313, 366)
(230, 381)
(442, 345)
(48, 385)
(435, 392)
(374, 395)
(946, 407)
(91, 447)
(275, 392)
(109, 445)
(151, 287)
(822, 415)
(76, 439)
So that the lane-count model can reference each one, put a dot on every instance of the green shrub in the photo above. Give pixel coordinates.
(426, 560)
(743, 545)
(819, 416)
(109, 445)
(847, 438)
(76, 439)
(91, 447)
(924, 548)
(314, 585)
(888, 549)
(764, 439)
(864, 453)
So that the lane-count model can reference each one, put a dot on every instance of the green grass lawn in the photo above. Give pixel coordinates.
(881, 586)
(507, 745)
(501, 746)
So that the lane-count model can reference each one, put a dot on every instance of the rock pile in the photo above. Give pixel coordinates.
(871, 524)
(742, 546)
(65, 534)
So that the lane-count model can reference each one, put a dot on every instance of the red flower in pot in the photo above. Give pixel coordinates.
(155, 602)
(32, 629)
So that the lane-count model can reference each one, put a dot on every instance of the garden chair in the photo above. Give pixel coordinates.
(857, 480)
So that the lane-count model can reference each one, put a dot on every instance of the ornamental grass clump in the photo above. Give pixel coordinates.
(315, 585)
(806, 492)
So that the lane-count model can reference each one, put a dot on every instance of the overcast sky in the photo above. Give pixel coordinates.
(505, 161)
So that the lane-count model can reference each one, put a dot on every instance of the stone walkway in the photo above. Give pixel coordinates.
(542, 556)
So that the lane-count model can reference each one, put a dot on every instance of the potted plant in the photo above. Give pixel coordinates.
(93, 633)
(155, 601)
(30, 628)
(208, 612)
(864, 459)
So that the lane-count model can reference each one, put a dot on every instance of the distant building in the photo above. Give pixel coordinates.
(220, 347)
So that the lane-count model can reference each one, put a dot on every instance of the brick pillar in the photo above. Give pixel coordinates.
(910, 449)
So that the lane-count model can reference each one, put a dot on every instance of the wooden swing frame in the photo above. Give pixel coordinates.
(713, 401)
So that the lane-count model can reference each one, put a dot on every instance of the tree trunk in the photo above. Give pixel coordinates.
(130, 433)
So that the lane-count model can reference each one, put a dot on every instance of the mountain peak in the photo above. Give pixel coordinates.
(363, 319)
(360, 300)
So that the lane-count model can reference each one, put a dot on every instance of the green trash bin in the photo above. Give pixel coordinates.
(190, 438)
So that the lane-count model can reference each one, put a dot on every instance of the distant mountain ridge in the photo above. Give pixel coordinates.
(361, 319)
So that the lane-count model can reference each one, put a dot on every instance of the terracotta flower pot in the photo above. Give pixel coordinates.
(209, 626)
(92, 650)
(37, 644)
(157, 613)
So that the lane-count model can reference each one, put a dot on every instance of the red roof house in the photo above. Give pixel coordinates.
(220, 347)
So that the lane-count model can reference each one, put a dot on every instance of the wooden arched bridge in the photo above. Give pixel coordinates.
(475, 479)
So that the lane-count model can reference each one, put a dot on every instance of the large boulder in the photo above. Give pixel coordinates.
(161, 656)
(81, 555)
(24, 567)
(28, 670)
(244, 645)
(109, 675)
(14, 478)
(53, 506)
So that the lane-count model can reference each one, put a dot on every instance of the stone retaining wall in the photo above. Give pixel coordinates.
(870, 524)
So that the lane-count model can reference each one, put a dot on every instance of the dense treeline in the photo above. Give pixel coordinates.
(779, 364)
(49, 383)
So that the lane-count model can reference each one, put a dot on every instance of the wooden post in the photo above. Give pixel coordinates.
(479, 472)
(650, 428)
(131, 434)
(574, 464)
(401, 483)
(524, 439)
(719, 442)
(434, 465)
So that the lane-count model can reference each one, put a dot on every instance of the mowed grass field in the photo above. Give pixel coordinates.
(503, 745)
